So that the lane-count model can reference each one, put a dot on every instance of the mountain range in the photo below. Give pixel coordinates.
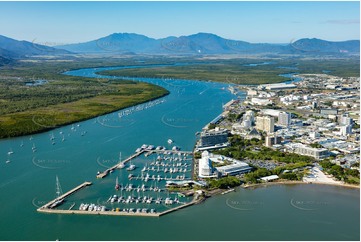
(11, 48)
(205, 43)
(199, 44)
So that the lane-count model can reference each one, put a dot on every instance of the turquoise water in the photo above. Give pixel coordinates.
(28, 181)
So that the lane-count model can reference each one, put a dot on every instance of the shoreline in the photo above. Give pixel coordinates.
(298, 183)
(48, 128)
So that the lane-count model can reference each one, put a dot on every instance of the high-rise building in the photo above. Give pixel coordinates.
(214, 137)
(249, 115)
(265, 123)
(205, 168)
(272, 140)
(346, 120)
(284, 119)
(345, 130)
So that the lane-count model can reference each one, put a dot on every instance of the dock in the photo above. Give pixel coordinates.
(46, 206)
(147, 151)
(107, 171)
(111, 213)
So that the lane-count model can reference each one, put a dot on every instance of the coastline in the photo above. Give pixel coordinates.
(48, 128)
(298, 183)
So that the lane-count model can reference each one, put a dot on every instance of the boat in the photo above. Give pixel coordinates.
(130, 176)
(22, 144)
(170, 141)
(131, 167)
(59, 192)
(117, 184)
(33, 148)
(10, 152)
(121, 165)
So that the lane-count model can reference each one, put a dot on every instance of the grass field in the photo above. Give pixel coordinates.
(240, 72)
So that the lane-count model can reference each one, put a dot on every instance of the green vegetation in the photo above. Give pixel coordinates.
(241, 148)
(252, 177)
(62, 99)
(316, 145)
(351, 176)
(237, 71)
(224, 182)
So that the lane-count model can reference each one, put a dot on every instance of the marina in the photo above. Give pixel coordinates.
(151, 190)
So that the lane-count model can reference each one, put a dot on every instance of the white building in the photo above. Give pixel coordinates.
(261, 101)
(345, 130)
(316, 153)
(205, 166)
(233, 169)
(284, 119)
(345, 120)
(314, 135)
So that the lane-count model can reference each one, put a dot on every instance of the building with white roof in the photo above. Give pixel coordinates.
(205, 169)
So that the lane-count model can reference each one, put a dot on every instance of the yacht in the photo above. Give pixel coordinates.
(117, 184)
(131, 167)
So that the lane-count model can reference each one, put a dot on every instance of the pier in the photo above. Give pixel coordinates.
(112, 213)
(106, 172)
(147, 151)
(46, 206)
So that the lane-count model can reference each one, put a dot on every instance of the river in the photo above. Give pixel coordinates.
(297, 212)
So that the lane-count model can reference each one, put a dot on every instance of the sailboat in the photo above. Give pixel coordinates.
(34, 147)
(121, 164)
(58, 192)
(117, 184)
(22, 144)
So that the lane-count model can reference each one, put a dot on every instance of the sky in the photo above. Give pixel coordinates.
(58, 23)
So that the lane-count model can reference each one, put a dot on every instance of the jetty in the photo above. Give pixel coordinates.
(147, 151)
(107, 171)
(45, 207)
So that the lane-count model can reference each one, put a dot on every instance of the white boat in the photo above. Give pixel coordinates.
(121, 165)
(170, 141)
(131, 167)
(10, 152)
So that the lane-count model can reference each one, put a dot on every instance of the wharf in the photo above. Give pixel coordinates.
(149, 152)
(46, 206)
(113, 213)
(106, 172)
